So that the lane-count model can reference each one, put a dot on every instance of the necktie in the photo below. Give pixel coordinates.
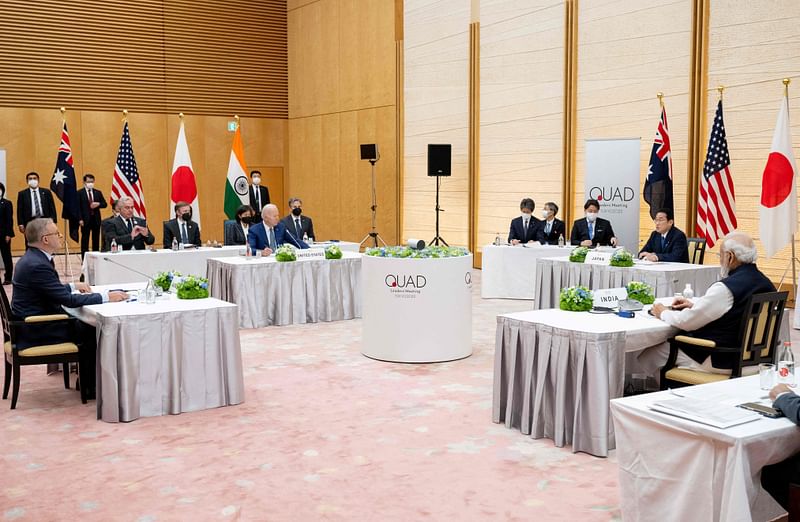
(258, 198)
(37, 205)
(272, 244)
(663, 242)
(591, 231)
(547, 228)
(184, 234)
(524, 226)
(91, 197)
(130, 225)
(299, 228)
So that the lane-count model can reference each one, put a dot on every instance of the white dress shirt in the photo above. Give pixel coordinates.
(717, 301)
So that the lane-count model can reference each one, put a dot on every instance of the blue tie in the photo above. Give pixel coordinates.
(591, 230)
(663, 243)
(272, 239)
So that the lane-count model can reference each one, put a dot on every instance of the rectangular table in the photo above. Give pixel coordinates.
(345, 246)
(676, 469)
(555, 273)
(303, 291)
(509, 272)
(170, 357)
(97, 271)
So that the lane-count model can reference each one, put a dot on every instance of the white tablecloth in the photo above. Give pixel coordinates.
(553, 274)
(510, 271)
(97, 271)
(302, 291)
(676, 470)
(171, 357)
(345, 246)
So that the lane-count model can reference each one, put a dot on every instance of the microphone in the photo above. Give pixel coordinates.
(126, 267)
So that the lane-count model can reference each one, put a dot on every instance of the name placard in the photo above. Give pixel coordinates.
(598, 258)
(608, 297)
(310, 253)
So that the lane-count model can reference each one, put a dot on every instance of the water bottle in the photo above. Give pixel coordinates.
(114, 245)
(305, 237)
(688, 293)
(174, 243)
(150, 292)
(561, 240)
(497, 240)
(786, 366)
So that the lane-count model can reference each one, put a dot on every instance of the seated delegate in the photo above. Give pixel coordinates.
(182, 228)
(592, 231)
(525, 227)
(129, 231)
(550, 228)
(236, 230)
(268, 235)
(299, 225)
(667, 242)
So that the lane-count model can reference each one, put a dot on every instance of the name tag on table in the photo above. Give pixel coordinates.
(310, 253)
(595, 257)
(609, 297)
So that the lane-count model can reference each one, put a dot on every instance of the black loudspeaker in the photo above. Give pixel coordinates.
(369, 151)
(439, 159)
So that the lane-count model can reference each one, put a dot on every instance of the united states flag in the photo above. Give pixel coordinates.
(716, 206)
(126, 176)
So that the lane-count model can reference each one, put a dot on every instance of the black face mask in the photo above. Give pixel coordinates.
(187, 216)
(297, 211)
(245, 219)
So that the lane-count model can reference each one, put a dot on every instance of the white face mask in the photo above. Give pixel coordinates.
(256, 181)
(545, 214)
(525, 216)
(591, 217)
(33, 183)
(90, 186)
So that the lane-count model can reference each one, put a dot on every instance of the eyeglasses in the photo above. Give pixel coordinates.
(59, 234)
(660, 220)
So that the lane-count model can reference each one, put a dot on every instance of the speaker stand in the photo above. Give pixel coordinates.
(373, 234)
(437, 239)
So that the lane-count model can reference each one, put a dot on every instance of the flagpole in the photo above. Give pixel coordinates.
(67, 265)
(786, 82)
(660, 96)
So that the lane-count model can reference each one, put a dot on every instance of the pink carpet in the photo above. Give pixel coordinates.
(325, 434)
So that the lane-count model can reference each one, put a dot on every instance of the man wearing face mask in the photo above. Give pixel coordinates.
(591, 230)
(550, 228)
(90, 201)
(34, 202)
(299, 225)
(716, 315)
(182, 227)
(259, 195)
(525, 227)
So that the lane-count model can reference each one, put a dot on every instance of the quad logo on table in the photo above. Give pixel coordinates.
(405, 285)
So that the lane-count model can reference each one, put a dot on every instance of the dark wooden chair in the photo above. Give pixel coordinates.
(758, 334)
(697, 250)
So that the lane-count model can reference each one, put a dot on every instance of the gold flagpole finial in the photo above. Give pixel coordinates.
(720, 90)
(180, 115)
(786, 82)
(236, 117)
(63, 110)
(660, 96)
(125, 115)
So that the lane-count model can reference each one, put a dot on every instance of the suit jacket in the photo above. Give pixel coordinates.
(558, 229)
(676, 248)
(25, 207)
(789, 404)
(257, 237)
(172, 230)
(306, 225)
(116, 228)
(602, 232)
(516, 231)
(234, 233)
(39, 291)
(90, 216)
(6, 218)
(264, 201)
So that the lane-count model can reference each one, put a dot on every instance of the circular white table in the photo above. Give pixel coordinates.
(417, 310)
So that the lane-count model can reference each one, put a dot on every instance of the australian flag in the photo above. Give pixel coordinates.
(658, 184)
(64, 185)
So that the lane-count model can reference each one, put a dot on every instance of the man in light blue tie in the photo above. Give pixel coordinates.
(592, 231)
(271, 233)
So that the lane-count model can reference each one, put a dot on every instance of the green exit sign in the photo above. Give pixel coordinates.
(232, 126)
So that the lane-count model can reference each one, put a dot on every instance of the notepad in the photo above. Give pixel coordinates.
(705, 412)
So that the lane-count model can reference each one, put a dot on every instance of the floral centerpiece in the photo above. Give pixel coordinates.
(429, 252)
(641, 292)
(578, 255)
(333, 252)
(163, 280)
(285, 253)
(622, 258)
(192, 287)
(575, 299)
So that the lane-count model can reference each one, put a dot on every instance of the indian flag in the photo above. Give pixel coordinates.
(236, 186)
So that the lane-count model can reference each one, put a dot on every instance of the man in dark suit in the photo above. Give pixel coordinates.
(105, 225)
(551, 228)
(524, 228)
(268, 235)
(259, 195)
(182, 228)
(591, 230)
(34, 202)
(298, 224)
(236, 230)
(90, 201)
(666, 242)
(129, 231)
(776, 477)
(6, 233)
(39, 291)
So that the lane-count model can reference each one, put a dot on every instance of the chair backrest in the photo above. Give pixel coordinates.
(697, 250)
(761, 326)
(225, 229)
(5, 315)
